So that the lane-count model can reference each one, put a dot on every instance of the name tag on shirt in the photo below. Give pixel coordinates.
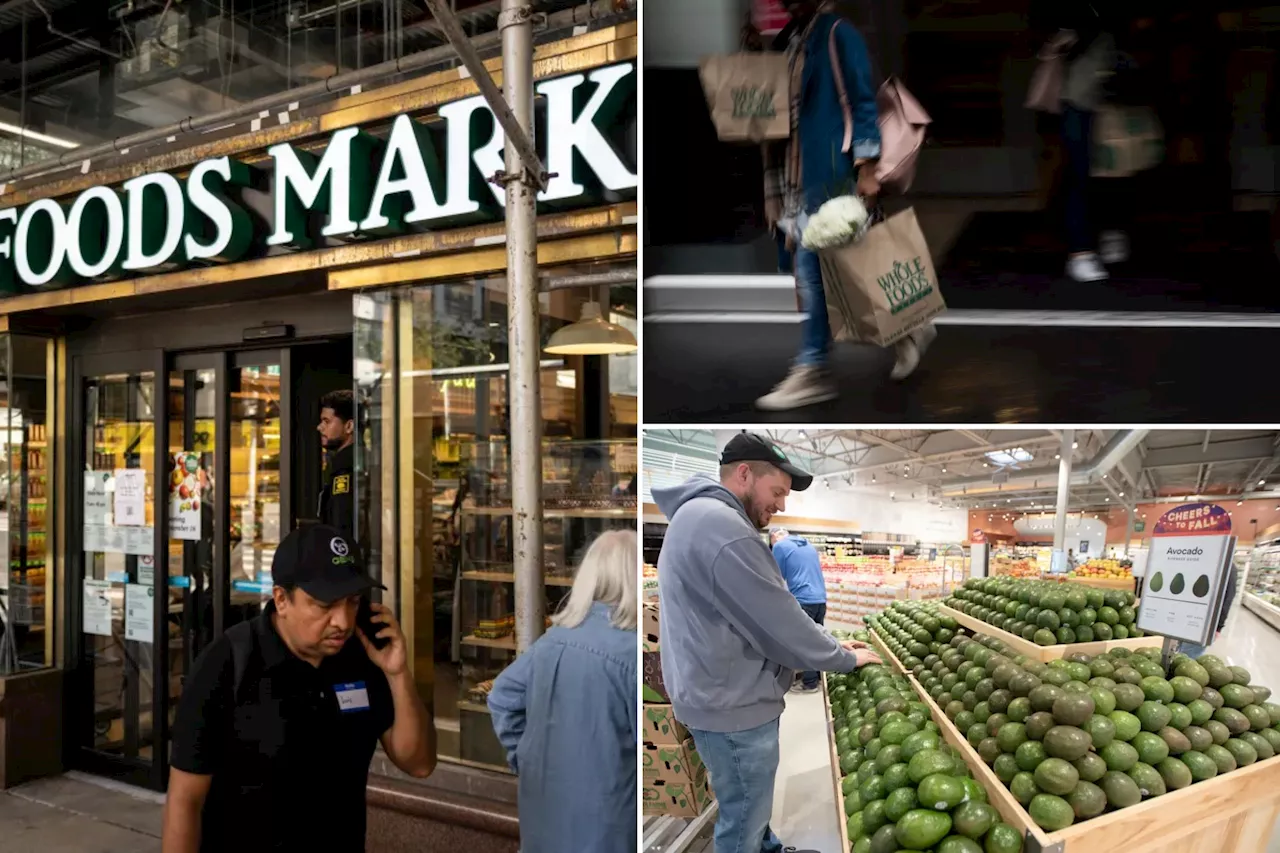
(352, 697)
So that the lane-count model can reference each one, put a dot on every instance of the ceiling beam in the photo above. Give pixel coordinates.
(974, 437)
(1234, 450)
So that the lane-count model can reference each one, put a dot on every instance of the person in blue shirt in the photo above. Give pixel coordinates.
(802, 570)
(566, 712)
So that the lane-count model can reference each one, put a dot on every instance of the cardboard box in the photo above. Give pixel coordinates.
(655, 690)
(662, 727)
(649, 633)
(677, 799)
(673, 763)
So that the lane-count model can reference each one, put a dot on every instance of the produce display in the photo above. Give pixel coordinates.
(1084, 734)
(1122, 569)
(1047, 612)
(904, 789)
(1006, 566)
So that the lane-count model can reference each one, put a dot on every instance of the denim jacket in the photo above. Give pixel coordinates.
(827, 172)
(565, 711)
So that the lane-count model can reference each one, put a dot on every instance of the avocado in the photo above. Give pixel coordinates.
(1194, 671)
(1260, 693)
(1260, 745)
(1258, 718)
(896, 777)
(989, 749)
(899, 802)
(1213, 697)
(1157, 582)
(1219, 675)
(1056, 776)
(1038, 725)
(1101, 730)
(1178, 585)
(873, 817)
(1119, 756)
(1157, 689)
(1241, 751)
(1019, 709)
(1084, 633)
(1148, 780)
(887, 757)
(996, 722)
(854, 826)
(1202, 767)
(921, 829)
(976, 734)
(1067, 742)
(1072, 709)
(918, 742)
(1024, 787)
(1121, 791)
(973, 820)
(1104, 699)
(1102, 631)
(1199, 738)
(1221, 756)
(1175, 773)
(958, 844)
(872, 789)
(1005, 767)
(1128, 675)
(884, 840)
(1201, 587)
(940, 792)
(1154, 716)
(1240, 675)
(1235, 721)
(1051, 813)
(930, 761)
(1091, 767)
(974, 792)
(1151, 748)
(1175, 741)
(1272, 709)
(1129, 696)
(1011, 736)
(1127, 725)
(1029, 755)
(1219, 732)
(1201, 711)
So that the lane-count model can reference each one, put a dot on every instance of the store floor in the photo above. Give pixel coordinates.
(974, 374)
(74, 813)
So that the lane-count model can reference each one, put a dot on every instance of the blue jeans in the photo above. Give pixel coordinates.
(815, 332)
(1191, 650)
(1077, 138)
(743, 767)
(818, 613)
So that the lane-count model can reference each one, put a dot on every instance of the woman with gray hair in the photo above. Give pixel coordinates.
(566, 713)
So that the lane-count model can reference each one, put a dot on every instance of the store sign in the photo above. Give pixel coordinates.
(420, 177)
(1185, 571)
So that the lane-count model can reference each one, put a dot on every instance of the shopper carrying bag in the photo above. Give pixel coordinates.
(1045, 93)
(747, 94)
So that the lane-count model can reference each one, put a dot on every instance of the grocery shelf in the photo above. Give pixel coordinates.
(1044, 654)
(500, 643)
(1265, 610)
(508, 577)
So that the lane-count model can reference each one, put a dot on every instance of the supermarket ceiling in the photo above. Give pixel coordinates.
(1017, 469)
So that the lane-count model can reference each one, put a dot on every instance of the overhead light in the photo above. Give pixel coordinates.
(1057, 456)
(804, 434)
(1239, 503)
(873, 478)
(1108, 500)
(1262, 482)
(1075, 446)
(37, 137)
(944, 469)
(592, 335)
(1122, 494)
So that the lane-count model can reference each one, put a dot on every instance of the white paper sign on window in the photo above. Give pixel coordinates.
(97, 607)
(131, 497)
(139, 612)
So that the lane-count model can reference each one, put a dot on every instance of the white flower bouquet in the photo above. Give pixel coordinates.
(840, 221)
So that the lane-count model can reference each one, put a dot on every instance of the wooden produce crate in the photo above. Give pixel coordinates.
(1044, 654)
(1234, 812)
(1122, 584)
(843, 819)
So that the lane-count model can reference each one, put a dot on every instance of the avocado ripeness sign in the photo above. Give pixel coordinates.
(419, 177)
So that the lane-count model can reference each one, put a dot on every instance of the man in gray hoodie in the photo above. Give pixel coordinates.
(732, 634)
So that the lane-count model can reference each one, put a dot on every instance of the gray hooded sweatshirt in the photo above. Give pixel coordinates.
(732, 635)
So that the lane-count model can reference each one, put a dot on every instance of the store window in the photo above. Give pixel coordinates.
(431, 365)
(26, 584)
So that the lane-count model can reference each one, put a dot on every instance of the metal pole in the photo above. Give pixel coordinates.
(1128, 528)
(523, 178)
(1064, 491)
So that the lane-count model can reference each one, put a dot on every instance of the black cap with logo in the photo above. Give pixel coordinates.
(321, 561)
(749, 447)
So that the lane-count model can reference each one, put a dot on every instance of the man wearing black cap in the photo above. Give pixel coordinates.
(732, 634)
(279, 718)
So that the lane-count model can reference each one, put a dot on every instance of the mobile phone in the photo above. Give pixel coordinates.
(364, 620)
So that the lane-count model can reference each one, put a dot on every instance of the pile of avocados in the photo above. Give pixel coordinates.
(1083, 735)
(1048, 612)
(904, 789)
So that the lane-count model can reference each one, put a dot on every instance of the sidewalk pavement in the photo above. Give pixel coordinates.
(70, 814)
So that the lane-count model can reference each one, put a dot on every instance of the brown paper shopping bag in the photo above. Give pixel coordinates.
(882, 287)
(748, 95)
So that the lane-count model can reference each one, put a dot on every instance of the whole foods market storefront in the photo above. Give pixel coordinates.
(159, 420)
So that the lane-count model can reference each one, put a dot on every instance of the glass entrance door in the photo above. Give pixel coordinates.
(184, 471)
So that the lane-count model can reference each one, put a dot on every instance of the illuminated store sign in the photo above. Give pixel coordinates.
(420, 177)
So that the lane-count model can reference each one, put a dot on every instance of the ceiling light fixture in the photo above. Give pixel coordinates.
(35, 136)
(591, 335)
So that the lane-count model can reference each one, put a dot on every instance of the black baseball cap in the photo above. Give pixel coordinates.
(749, 447)
(323, 562)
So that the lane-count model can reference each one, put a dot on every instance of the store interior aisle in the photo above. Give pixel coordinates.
(804, 801)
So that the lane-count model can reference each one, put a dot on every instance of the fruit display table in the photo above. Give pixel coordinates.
(841, 818)
(1234, 811)
(1044, 654)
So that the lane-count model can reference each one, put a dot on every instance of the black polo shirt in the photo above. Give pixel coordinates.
(289, 765)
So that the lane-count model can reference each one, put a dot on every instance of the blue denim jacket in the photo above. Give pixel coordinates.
(565, 711)
(826, 171)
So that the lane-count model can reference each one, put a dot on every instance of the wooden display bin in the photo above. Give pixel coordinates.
(1044, 654)
(1121, 584)
(1234, 812)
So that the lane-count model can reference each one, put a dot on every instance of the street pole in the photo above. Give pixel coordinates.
(523, 178)
(1064, 495)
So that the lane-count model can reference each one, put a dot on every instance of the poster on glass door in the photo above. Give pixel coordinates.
(1185, 571)
(186, 487)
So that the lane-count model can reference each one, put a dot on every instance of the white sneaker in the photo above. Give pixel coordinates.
(924, 337)
(1084, 268)
(804, 386)
(908, 358)
(1113, 246)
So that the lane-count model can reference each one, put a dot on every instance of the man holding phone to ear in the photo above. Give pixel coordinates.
(281, 715)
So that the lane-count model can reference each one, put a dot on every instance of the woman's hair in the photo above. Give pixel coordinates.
(608, 574)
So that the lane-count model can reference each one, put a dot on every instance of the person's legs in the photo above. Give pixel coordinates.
(1077, 137)
(1191, 650)
(808, 382)
(743, 767)
(818, 613)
